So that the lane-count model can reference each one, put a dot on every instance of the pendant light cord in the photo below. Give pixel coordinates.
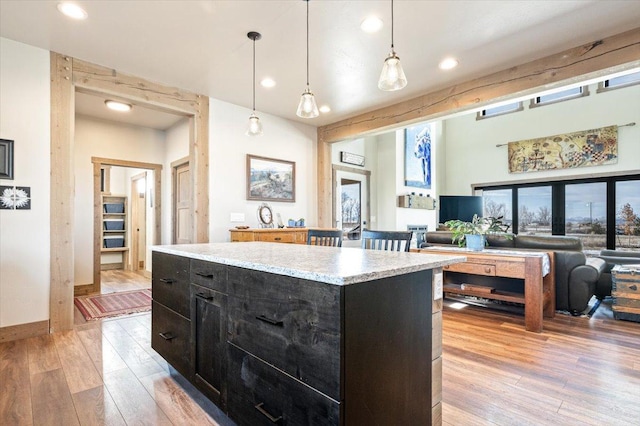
(254, 75)
(391, 24)
(307, 44)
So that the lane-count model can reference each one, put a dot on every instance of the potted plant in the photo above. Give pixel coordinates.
(473, 233)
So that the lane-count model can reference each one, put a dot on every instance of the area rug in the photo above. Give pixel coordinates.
(113, 304)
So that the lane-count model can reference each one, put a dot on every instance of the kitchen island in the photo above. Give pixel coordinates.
(303, 335)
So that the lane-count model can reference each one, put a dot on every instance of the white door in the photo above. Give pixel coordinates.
(182, 228)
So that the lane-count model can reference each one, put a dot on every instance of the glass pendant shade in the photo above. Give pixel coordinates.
(307, 107)
(392, 76)
(255, 127)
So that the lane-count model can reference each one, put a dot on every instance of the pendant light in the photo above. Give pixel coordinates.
(255, 127)
(392, 76)
(307, 107)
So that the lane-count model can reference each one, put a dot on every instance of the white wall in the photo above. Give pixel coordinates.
(472, 156)
(99, 138)
(24, 234)
(228, 147)
(176, 147)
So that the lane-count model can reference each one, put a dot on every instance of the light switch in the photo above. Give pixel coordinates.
(437, 286)
(236, 217)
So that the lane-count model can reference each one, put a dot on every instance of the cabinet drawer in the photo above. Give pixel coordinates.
(289, 323)
(276, 237)
(171, 337)
(170, 282)
(472, 268)
(210, 275)
(261, 395)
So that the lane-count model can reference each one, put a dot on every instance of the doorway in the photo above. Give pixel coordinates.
(351, 203)
(138, 230)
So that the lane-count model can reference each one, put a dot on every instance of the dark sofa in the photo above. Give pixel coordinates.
(613, 258)
(576, 275)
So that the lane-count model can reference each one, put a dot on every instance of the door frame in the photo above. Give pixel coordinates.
(334, 178)
(68, 75)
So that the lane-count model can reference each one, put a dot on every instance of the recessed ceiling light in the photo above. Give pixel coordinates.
(448, 63)
(325, 109)
(371, 25)
(72, 10)
(267, 82)
(118, 106)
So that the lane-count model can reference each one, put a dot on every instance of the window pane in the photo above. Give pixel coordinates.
(586, 214)
(501, 109)
(623, 80)
(534, 210)
(498, 203)
(569, 93)
(628, 215)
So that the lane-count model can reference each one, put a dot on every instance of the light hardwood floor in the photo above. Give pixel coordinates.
(578, 371)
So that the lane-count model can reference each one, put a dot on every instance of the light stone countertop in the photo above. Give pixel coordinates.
(332, 265)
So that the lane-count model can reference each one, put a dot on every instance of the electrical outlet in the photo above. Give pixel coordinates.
(437, 286)
(236, 217)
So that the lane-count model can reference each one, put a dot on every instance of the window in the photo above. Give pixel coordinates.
(534, 210)
(499, 110)
(618, 82)
(498, 203)
(604, 212)
(628, 215)
(563, 95)
(586, 214)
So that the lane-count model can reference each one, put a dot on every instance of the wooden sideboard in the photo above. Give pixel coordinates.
(270, 235)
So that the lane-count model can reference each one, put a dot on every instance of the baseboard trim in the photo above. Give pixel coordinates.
(83, 290)
(24, 331)
(147, 274)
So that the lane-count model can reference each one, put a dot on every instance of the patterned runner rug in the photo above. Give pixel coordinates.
(113, 304)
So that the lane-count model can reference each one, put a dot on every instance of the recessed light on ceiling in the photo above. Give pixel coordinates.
(371, 25)
(448, 63)
(72, 11)
(268, 82)
(118, 106)
(325, 109)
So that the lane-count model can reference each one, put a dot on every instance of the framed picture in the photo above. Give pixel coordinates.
(269, 179)
(417, 156)
(6, 159)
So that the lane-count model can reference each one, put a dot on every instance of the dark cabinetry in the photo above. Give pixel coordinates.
(273, 349)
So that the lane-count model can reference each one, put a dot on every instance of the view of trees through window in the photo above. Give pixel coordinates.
(586, 211)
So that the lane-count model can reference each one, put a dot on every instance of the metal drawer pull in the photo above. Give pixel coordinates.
(270, 321)
(204, 296)
(204, 275)
(167, 336)
(167, 280)
(266, 414)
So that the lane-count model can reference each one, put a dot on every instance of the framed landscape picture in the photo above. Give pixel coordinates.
(269, 179)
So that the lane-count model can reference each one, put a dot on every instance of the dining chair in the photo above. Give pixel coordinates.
(386, 240)
(324, 237)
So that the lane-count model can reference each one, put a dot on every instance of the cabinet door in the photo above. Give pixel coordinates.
(209, 324)
(171, 337)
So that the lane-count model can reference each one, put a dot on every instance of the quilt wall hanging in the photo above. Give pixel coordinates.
(594, 147)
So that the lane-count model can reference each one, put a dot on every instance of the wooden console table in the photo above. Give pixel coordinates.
(270, 235)
(539, 296)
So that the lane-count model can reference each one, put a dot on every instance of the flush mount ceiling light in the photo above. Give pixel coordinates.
(392, 76)
(448, 63)
(325, 109)
(118, 106)
(255, 127)
(371, 25)
(268, 83)
(307, 107)
(72, 11)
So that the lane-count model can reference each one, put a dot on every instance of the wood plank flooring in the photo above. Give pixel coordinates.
(577, 371)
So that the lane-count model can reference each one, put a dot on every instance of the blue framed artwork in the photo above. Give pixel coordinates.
(417, 156)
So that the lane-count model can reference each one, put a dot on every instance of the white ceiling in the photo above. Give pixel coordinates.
(202, 46)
